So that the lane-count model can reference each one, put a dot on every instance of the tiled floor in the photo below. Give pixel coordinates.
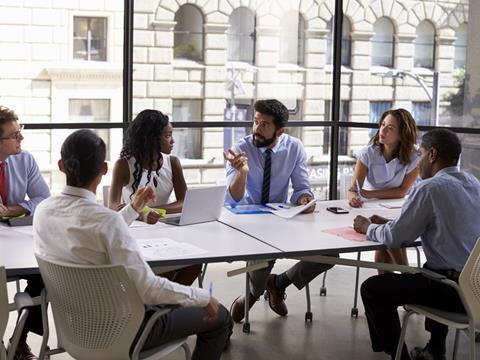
(333, 334)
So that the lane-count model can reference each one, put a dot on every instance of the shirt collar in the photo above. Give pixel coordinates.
(79, 192)
(275, 148)
(448, 170)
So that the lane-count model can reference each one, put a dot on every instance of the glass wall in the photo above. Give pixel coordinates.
(207, 62)
(61, 63)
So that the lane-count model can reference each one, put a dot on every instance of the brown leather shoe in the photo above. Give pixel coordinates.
(23, 352)
(276, 297)
(237, 310)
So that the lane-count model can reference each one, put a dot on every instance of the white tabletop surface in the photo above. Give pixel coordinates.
(221, 242)
(303, 233)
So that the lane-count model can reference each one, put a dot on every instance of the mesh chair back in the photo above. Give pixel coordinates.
(470, 283)
(3, 308)
(97, 309)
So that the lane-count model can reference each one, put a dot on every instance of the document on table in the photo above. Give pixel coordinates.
(347, 233)
(165, 248)
(393, 204)
(288, 211)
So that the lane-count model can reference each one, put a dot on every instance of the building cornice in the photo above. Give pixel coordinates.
(86, 71)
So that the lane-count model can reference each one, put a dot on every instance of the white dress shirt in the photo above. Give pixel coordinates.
(73, 228)
(382, 174)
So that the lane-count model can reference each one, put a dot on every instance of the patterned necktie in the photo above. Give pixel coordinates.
(3, 182)
(266, 176)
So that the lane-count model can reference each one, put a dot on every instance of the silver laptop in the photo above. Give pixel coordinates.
(200, 205)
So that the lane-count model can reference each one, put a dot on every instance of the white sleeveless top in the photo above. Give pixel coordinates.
(164, 184)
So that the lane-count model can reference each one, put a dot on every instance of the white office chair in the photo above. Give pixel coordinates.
(97, 313)
(22, 303)
(468, 289)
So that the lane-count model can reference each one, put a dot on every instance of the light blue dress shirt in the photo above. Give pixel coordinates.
(443, 212)
(24, 179)
(382, 174)
(289, 164)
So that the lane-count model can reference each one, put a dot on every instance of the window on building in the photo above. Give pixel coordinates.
(242, 111)
(460, 46)
(241, 36)
(294, 114)
(188, 33)
(377, 108)
(343, 135)
(425, 46)
(422, 112)
(188, 142)
(346, 42)
(90, 111)
(292, 39)
(383, 43)
(90, 38)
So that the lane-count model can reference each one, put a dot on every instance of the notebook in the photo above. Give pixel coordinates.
(200, 205)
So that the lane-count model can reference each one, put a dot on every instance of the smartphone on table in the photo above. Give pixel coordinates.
(337, 210)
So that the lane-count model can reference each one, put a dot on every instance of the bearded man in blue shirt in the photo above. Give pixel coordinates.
(259, 170)
(443, 211)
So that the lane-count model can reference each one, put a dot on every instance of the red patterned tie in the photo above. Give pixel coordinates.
(3, 182)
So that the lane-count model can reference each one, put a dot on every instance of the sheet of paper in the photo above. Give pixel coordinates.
(393, 204)
(165, 248)
(347, 233)
(287, 211)
(371, 205)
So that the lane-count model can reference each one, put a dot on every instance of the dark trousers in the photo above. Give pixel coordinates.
(34, 320)
(381, 296)
(212, 336)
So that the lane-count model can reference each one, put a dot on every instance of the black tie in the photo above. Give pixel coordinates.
(266, 176)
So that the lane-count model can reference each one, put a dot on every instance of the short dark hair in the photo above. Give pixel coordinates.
(274, 108)
(83, 155)
(445, 141)
(6, 115)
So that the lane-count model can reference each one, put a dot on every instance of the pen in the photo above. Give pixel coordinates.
(210, 288)
(358, 190)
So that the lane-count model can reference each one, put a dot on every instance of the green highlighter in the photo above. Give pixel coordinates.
(161, 212)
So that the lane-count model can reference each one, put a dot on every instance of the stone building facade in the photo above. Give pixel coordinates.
(53, 55)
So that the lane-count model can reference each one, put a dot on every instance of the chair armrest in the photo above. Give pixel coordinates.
(22, 301)
(432, 275)
(148, 327)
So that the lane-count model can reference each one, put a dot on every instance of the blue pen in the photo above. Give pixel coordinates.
(210, 289)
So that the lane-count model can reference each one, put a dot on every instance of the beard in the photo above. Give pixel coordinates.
(259, 141)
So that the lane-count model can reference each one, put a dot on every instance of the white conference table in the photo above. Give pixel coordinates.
(221, 243)
(303, 234)
(232, 238)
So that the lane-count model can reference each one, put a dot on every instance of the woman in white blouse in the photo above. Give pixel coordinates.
(387, 168)
(145, 160)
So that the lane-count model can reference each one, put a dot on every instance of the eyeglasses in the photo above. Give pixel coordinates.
(17, 135)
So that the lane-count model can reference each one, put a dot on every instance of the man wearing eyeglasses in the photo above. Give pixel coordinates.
(20, 179)
(19, 173)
